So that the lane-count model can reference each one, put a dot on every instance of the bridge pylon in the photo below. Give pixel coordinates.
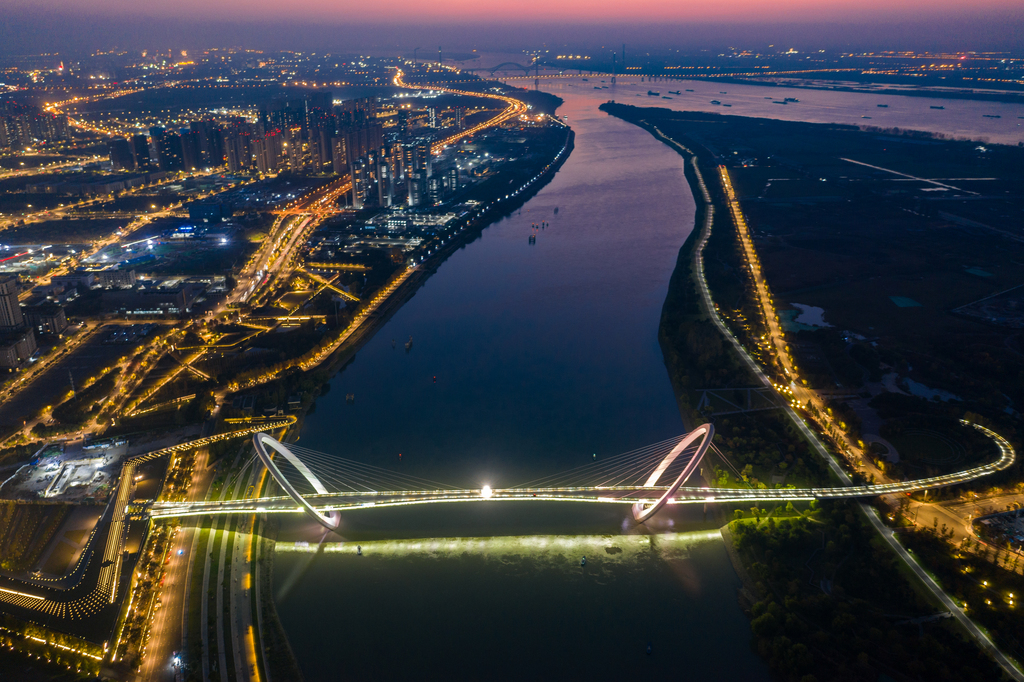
(703, 433)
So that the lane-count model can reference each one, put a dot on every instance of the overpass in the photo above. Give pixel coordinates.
(646, 479)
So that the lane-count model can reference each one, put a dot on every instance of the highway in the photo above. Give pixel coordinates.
(513, 108)
(793, 392)
(168, 627)
(294, 223)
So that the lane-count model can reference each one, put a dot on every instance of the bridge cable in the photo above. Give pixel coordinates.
(610, 468)
(341, 467)
(355, 469)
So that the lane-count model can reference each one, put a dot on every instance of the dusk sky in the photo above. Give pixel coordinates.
(63, 25)
(533, 10)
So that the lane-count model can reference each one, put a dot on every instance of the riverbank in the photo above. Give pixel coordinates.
(759, 548)
(472, 230)
(705, 344)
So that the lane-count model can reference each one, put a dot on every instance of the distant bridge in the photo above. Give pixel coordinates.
(633, 478)
(499, 67)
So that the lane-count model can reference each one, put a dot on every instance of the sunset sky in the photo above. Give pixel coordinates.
(532, 10)
(61, 25)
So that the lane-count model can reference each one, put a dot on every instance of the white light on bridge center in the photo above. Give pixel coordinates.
(486, 492)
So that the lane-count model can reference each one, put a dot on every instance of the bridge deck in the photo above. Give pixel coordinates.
(349, 501)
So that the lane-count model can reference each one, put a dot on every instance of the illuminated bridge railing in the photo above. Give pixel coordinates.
(643, 495)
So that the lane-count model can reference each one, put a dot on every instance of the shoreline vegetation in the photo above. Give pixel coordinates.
(823, 591)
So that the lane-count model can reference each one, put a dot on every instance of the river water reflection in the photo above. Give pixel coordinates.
(545, 355)
(529, 359)
(997, 122)
(519, 608)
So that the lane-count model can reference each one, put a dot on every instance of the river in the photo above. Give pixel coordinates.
(995, 122)
(529, 359)
(545, 355)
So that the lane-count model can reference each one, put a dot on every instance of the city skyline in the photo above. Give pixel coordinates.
(301, 305)
(49, 27)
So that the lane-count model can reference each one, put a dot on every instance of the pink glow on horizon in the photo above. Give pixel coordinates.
(534, 11)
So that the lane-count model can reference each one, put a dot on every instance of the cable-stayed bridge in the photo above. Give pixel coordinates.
(324, 486)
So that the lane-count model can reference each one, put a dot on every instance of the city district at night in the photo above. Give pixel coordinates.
(496, 342)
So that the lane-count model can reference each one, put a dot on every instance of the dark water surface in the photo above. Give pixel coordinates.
(544, 355)
(520, 608)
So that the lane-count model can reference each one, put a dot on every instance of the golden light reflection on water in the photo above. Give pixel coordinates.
(614, 548)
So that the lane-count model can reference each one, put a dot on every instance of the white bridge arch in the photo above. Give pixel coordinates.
(359, 486)
(705, 432)
(329, 519)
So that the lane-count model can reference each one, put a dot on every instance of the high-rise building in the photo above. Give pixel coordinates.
(140, 152)
(362, 140)
(435, 190)
(295, 147)
(121, 157)
(21, 131)
(403, 123)
(211, 152)
(191, 151)
(11, 319)
(360, 182)
(432, 117)
(168, 149)
(385, 182)
(214, 147)
(283, 113)
(417, 172)
(16, 348)
(268, 150)
(459, 114)
(320, 114)
(236, 147)
(17, 342)
(357, 112)
(320, 149)
(339, 156)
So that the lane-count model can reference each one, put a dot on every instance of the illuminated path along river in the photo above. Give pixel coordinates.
(526, 359)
